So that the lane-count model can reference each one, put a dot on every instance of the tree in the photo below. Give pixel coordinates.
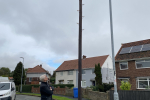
(54, 74)
(125, 85)
(52, 80)
(98, 77)
(26, 69)
(18, 73)
(4, 71)
(11, 74)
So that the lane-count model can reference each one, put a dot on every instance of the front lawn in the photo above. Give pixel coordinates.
(54, 97)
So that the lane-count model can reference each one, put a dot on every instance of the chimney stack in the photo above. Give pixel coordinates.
(84, 57)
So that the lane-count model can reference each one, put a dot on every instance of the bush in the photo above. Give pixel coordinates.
(52, 80)
(17, 88)
(107, 86)
(94, 88)
(103, 88)
(125, 85)
(27, 88)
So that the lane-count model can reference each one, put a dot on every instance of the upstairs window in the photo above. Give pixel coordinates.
(93, 71)
(70, 72)
(61, 73)
(143, 64)
(123, 65)
(83, 71)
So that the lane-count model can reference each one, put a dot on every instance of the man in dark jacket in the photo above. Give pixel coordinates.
(45, 90)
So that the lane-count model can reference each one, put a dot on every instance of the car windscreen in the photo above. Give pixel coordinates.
(4, 86)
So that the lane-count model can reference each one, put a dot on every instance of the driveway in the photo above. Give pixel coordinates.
(25, 97)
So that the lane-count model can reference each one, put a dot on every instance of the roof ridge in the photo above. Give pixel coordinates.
(135, 41)
(88, 57)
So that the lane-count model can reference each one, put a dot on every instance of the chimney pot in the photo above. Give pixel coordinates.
(84, 57)
(40, 65)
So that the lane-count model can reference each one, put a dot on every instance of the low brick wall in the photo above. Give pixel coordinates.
(35, 90)
(58, 90)
(86, 93)
(95, 95)
(69, 92)
(35, 82)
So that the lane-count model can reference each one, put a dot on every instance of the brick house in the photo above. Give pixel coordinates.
(133, 64)
(33, 74)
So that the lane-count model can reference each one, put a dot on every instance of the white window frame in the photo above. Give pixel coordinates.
(123, 63)
(70, 72)
(141, 61)
(30, 79)
(84, 71)
(68, 81)
(61, 73)
(137, 80)
(83, 81)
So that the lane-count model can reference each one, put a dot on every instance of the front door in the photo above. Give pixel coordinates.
(93, 83)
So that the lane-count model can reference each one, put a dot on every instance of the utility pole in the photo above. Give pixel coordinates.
(80, 52)
(112, 46)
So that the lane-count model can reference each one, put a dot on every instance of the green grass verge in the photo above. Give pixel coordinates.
(54, 97)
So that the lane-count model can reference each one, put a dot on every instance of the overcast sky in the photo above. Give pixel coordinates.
(46, 31)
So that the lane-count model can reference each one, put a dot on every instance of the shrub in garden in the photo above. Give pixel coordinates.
(125, 85)
(107, 86)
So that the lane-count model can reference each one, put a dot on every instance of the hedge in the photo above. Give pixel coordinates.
(63, 85)
(27, 88)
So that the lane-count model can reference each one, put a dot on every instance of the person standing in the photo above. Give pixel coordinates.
(45, 90)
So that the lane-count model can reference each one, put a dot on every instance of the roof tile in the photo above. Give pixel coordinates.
(133, 55)
(86, 63)
(36, 69)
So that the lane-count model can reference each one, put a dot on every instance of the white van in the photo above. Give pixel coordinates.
(7, 91)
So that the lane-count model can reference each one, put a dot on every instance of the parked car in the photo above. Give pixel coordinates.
(7, 91)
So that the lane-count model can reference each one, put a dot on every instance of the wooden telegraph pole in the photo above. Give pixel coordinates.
(80, 52)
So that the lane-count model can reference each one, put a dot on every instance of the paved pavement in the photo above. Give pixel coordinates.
(25, 97)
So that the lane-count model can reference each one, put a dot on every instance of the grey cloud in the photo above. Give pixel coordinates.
(53, 23)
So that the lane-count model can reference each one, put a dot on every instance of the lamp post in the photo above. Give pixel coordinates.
(22, 74)
(112, 46)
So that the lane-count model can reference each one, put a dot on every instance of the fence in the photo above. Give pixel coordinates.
(131, 95)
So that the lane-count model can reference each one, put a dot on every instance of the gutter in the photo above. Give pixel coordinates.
(132, 59)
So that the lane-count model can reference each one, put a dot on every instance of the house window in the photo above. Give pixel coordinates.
(123, 65)
(61, 81)
(70, 81)
(30, 79)
(125, 80)
(143, 83)
(83, 83)
(93, 71)
(83, 71)
(70, 72)
(143, 64)
(61, 73)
